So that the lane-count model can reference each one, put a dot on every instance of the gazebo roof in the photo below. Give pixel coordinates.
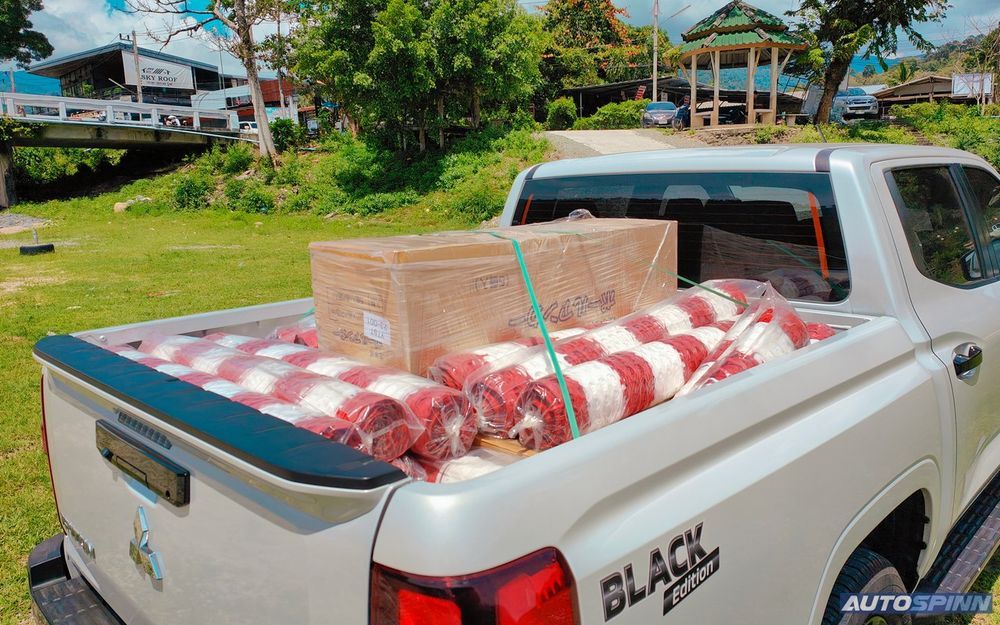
(739, 25)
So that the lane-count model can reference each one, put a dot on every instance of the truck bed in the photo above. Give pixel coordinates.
(274, 515)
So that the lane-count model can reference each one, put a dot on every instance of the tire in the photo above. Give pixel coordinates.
(865, 572)
(37, 248)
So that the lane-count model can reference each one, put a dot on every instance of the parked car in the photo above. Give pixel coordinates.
(729, 113)
(658, 114)
(865, 462)
(248, 127)
(855, 103)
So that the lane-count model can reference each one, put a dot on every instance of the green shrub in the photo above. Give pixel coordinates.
(48, 165)
(626, 114)
(768, 134)
(191, 191)
(238, 158)
(561, 114)
(380, 202)
(212, 160)
(253, 199)
(287, 134)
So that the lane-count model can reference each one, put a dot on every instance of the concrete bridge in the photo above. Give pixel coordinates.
(84, 123)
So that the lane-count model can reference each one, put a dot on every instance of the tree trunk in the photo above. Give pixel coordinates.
(476, 111)
(265, 142)
(832, 77)
(440, 104)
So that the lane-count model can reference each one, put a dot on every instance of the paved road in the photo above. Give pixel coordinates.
(581, 143)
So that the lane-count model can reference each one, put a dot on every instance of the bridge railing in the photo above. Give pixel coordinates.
(48, 108)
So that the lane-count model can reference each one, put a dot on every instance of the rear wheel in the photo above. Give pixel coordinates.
(865, 572)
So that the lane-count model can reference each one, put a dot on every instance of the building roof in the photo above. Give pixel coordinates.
(916, 82)
(739, 25)
(54, 68)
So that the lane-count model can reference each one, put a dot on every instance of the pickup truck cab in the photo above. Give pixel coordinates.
(867, 461)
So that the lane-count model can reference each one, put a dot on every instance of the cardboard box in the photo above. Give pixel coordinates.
(403, 301)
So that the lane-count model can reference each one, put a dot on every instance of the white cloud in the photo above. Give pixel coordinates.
(77, 25)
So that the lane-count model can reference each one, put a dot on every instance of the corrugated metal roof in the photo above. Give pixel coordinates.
(728, 40)
(736, 15)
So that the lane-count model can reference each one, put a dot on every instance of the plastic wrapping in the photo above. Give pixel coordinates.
(819, 331)
(266, 404)
(494, 390)
(412, 467)
(302, 332)
(770, 328)
(382, 426)
(449, 425)
(405, 301)
(454, 369)
(476, 463)
(614, 387)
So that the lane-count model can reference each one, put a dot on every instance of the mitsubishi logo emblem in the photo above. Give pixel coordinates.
(139, 549)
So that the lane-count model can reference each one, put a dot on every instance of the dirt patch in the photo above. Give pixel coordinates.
(747, 136)
(10, 286)
(12, 223)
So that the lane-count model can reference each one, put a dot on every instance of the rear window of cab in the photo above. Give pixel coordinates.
(776, 226)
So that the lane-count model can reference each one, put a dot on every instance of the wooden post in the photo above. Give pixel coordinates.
(773, 102)
(751, 67)
(693, 80)
(716, 71)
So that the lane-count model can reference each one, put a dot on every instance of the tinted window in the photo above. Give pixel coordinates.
(986, 188)
(781, 227)
(936, 227)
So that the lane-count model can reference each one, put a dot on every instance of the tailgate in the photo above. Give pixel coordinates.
(180, 506)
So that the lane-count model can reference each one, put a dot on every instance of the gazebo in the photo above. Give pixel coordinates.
(736, 36)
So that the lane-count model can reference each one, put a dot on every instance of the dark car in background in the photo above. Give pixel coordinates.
(659, 114)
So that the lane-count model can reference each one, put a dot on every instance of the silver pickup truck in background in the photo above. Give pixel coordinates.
(866, 462)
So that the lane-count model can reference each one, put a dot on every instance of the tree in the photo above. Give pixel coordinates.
(868, 71)
(237, 18)
(17, 41)
(844, 27)
(589, 24)
(984, 58)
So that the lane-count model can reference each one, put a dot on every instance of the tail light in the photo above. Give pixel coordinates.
(534, 590)
(45, 446)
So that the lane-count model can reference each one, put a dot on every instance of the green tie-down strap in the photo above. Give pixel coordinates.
(570, 412)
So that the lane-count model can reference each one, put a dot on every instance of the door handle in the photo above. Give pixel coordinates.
(968, 357)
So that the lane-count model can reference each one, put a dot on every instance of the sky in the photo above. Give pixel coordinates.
(76, 25)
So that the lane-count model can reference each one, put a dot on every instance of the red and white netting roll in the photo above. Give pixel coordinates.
(819, 332)
(445, 414)
(494, 391)
(612, 388)
(770, 329)
(266, 404)
(476, 463)
(303, 332)
(383, 427)
(453, 369)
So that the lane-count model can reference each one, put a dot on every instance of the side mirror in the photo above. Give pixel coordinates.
(970, 266)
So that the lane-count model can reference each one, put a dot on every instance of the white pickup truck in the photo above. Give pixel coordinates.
(867, 461)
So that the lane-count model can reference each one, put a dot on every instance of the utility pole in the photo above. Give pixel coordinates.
(281, 90)
(138, 74)
(656, 47)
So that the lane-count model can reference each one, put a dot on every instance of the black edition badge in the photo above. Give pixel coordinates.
(681, 568)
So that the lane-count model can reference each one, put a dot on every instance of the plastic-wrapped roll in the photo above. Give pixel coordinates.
(383, 427)
(769, 329)
(476, 463)
(266, 404)
(303, 332)
(449, 425)
(410, 466)
(612, 388)
(452, 370)
(819, 331)
(495, 391)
